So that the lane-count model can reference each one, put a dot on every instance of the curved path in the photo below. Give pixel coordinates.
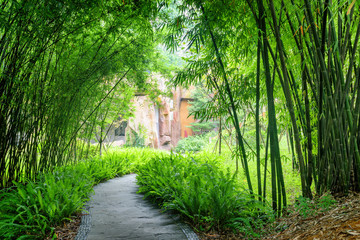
(118, 212)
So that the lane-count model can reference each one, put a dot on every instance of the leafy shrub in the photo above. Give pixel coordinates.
(192, 143)
(307, 207)
(326, 202)
(132, 157)
(202, 192)
(31, 209)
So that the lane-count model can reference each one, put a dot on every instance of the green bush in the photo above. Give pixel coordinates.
(307, 207)
(202, 192)
(192, 143)
(132, 157)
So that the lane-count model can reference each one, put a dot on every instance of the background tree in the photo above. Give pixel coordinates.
(201, 98)
(324, 42)
(306, 61)
(53, 57)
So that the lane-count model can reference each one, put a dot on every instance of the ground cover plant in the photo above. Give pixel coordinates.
(32, 209)
(203, 192)
(308, 207)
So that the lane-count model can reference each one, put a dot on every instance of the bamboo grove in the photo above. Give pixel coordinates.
(59, 61)
(307, 59)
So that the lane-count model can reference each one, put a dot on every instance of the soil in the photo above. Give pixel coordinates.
(341, 222)
(69, 229)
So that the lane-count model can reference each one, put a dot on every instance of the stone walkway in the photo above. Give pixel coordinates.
(118, 212)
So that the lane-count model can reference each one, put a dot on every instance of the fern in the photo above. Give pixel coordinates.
(200, 191)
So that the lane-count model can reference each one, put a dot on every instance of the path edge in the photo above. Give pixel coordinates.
(189, 233)
(85, 224)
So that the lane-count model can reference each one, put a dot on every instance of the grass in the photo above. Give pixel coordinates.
(291, 176)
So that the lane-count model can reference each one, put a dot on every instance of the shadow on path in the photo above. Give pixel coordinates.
(118, 212)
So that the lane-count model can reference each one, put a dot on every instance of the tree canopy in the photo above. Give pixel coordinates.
(59, 61)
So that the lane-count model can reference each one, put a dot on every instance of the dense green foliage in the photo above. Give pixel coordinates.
(31, 210)
(192, 143)
(200, 100)
(203, 192)
(59, 63)
(295, 63)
